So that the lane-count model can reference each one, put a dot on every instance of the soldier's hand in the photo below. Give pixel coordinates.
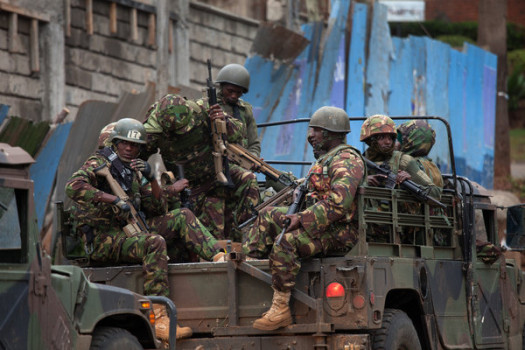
(178, 186)
(375, 180)
(294, 222)
(402, 176)
(122, 206)
(215, 112)
(143, 167)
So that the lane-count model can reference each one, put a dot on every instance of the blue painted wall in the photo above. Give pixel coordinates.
(398, 77)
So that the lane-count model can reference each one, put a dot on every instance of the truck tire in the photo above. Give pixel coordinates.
(114, 338)
(396, 333)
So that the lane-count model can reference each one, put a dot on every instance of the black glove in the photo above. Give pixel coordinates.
(143, 167)
(123, 207)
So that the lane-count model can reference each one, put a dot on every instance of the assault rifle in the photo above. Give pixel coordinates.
(294, 208)
(244, 158)
(218, 135)
(280, 198)
(409, 185)
(136, 221)
(185, 194)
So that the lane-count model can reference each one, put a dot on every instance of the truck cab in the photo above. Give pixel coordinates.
(46, 306)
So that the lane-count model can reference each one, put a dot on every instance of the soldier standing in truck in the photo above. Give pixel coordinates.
(103, 217)
(325, 225)
(180, 129)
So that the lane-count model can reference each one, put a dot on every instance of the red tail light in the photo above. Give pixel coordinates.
(335, 290)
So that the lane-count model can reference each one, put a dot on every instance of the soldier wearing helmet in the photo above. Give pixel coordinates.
(379, 133)
(101, 215)
(416, 138)
(326, 223)
(234, 81)
(179, 128)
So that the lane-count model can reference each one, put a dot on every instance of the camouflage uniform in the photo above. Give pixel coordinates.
(417, 138)
(396, 161)
(326, 223)
(242, 111)
(104, 231)
(180, 129)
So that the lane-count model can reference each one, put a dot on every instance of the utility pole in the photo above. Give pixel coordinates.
(492, 34)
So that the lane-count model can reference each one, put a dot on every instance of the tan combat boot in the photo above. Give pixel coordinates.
(279, 314)
(162, 325)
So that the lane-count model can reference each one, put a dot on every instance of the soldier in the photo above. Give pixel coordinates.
(234, 81)
(379, 133)
(416, 138)
(326, 223)
(180, 129)
(103, 229)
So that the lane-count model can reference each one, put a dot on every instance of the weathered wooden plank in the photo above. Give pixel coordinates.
(377, 72)
(457, 106)
(419, 62)
(89, 17)
(474, 117)
(152, 30)
(24, 133)
(400, 99)
(489, 94)
(113, 22)
(133, 25)
(43, 172)
(438, 56)
(355, 80)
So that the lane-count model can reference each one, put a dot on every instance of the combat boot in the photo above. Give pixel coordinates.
(279, 314)
(162, 325)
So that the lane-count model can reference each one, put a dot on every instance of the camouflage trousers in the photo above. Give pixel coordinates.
(113, 246)
(221, 209)
(295, 245)
(185, 236)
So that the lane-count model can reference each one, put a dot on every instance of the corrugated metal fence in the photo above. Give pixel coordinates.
(397, 77)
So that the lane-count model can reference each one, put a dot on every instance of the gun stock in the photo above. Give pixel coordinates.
(218, 135)
(244, 158)
(136, 222)
(408, 185)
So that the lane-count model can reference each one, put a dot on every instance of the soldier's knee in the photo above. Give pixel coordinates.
(157, 242)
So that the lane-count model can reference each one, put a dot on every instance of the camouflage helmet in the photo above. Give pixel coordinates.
(234, 74)
(129, 129)
(330, 118)
(416, 137)
(104, 137)
(377, 124)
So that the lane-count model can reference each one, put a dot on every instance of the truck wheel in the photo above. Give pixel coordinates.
(113, 338)
(396, 333)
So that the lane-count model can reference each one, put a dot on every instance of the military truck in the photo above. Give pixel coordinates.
(45, 306)
(413, 291)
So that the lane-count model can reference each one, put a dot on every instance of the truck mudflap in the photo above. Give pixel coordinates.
(321, 341)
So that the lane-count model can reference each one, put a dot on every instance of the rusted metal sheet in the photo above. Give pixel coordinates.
(277, 42)
(3, 112)
(24, 133)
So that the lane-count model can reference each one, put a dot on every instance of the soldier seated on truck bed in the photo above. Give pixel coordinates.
(326, 223)
(379, 133)
(105, 218)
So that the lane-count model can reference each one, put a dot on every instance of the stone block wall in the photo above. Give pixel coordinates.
(218, 35)
(19, 85)
(76, 66)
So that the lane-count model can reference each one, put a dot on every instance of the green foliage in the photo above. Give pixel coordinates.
(516, 58)
(517, 145)
(435, 29)
(455, 40)
(516, 86)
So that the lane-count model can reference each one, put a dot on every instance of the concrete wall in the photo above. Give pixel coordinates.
(76, 65)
